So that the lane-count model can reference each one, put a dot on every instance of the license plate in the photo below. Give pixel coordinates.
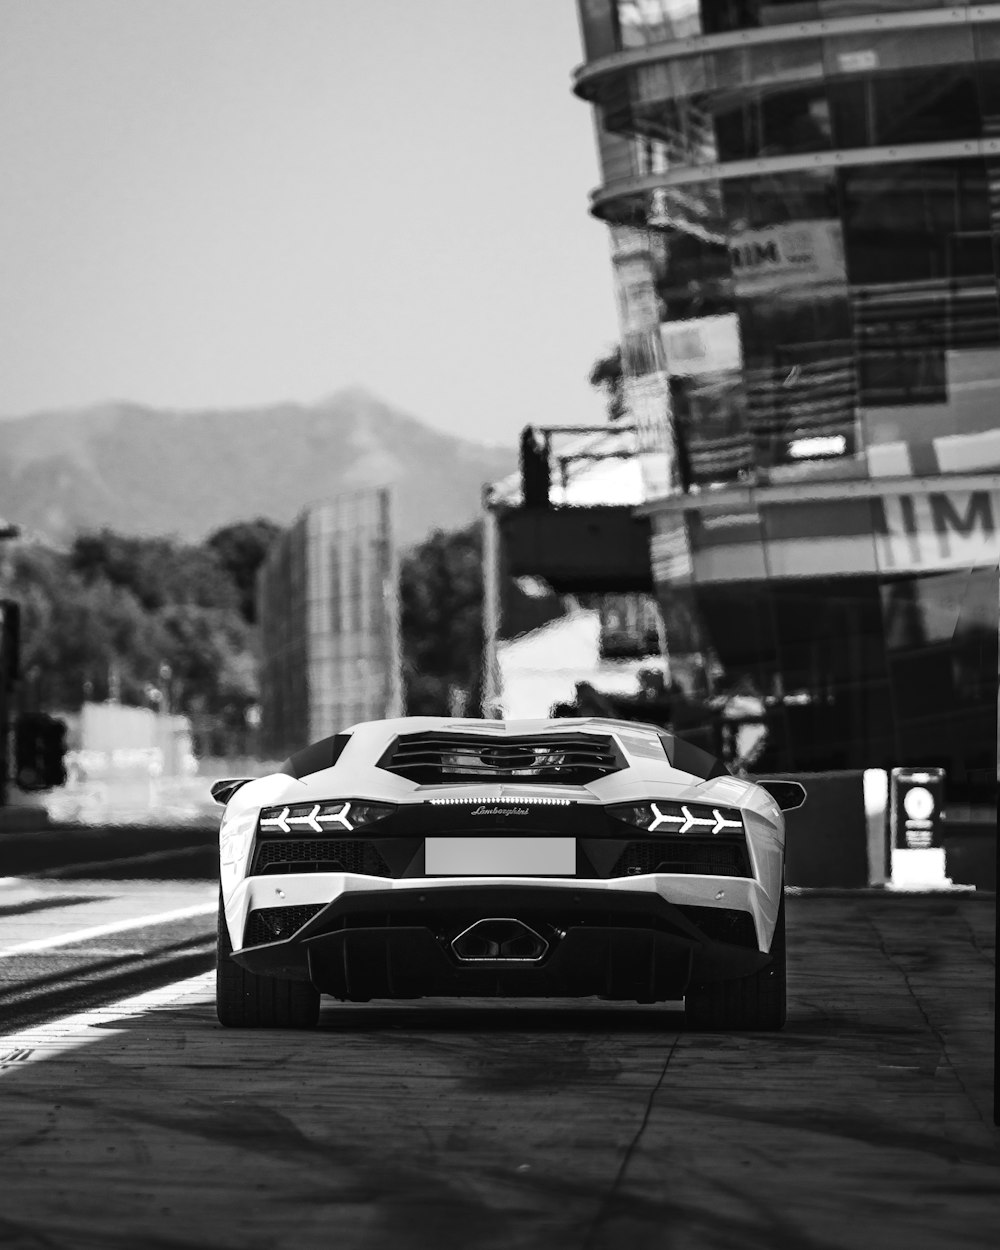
(500, 857)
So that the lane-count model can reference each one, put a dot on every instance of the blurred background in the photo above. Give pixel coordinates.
(721, 453)
(360, 360)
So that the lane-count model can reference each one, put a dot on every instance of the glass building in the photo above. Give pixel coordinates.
(328, 608)
(804, 210)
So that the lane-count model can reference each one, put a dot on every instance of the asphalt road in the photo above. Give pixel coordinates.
(865, 1123)
(111, 853)
(91, 881)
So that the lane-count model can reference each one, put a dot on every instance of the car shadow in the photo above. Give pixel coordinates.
(506, 1016)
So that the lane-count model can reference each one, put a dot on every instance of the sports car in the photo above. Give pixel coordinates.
(427, 856)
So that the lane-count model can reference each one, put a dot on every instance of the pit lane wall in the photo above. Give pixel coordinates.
(864, 616)
(840, 838)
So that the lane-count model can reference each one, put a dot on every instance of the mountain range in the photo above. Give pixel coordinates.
(142, 470)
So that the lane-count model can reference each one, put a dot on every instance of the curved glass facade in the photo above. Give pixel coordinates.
(837, 199)
(610, 26)
(817, 94)
(853, 90)
(805, 233)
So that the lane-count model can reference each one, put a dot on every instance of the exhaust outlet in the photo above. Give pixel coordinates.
(499, 940)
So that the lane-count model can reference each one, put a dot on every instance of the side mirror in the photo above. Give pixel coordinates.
(223, 791)
(787, 794)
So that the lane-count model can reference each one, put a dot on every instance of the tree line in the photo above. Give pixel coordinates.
(156, 622)
(150, 622)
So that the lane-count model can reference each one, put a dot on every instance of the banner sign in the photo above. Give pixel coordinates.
(702, 345)
(787, 257)
(938, 530)
(913, 533)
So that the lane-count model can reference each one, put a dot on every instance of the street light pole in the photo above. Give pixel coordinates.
(7, 666)
(166, 673)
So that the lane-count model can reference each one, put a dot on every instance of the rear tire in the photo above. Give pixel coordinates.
(750, 1003)
(244, 1000)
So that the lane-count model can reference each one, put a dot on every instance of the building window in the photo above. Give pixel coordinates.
(725, 15)
(644, 22)
(933, 104)
(920, 260)
(599, 26)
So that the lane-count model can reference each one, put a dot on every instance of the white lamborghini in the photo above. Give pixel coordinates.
(470, 858)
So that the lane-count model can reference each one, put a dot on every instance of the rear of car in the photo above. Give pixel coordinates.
(424, 857)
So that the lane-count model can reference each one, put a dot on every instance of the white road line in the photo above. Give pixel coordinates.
(114, 926)
(91, 952)
(45, 1041)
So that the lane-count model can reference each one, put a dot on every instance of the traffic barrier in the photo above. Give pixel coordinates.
(826, 842)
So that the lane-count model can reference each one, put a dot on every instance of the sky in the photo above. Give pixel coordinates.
(219, 203)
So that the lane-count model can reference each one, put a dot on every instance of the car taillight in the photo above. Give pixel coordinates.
(328, 817)
(668, 816)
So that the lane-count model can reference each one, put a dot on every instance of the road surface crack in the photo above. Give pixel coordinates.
(610, 1197)
(977, 946)
(934, 1031)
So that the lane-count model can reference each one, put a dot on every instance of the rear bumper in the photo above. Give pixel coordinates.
(622, 944)
(759, 897)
